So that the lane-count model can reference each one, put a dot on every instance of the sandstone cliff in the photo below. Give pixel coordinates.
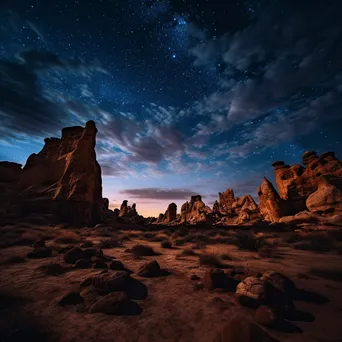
(62, 180)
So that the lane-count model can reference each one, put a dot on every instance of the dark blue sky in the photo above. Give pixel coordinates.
(188, 96)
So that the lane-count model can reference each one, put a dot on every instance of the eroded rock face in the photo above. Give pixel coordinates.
(272, 207)
(326, 199)
(169, 216)
(195, 211)
(296, 183)
(63, 179)
(129, 214)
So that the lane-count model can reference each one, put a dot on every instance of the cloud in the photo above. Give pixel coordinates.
(276, 67)
(159, 193)
(24, 107)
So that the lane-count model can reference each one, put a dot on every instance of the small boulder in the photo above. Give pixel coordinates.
(100, 264)
(279, 281)
(194, 277)
(71, 298)
(116, 265)
(251, 292)
(92, 252)
(74, 254)
(113, 303)
(150, 269)
(38, 253)
(110, 282)
(265, 316)
(216, 278)
(82, 264)
(39, 243)
(86, 282)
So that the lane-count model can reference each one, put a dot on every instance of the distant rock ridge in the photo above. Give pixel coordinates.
(62, 180)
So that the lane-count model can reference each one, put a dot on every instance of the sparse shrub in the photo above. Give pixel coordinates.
(180, 242)
(210, 260)
(87, 244)
(327, 273)
(110, 243)
(67, 237)
(335, 234)
(166, 244)
(142, 250)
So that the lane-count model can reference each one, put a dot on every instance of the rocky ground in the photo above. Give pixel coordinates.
(207, 284)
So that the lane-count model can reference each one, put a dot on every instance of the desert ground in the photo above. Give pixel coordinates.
(175, 304)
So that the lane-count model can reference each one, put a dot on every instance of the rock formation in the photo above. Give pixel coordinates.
(169, 216)
(195, 211)
(129, 214)
(62, 180)
(234, 210)
(271, 206)
(296, 183)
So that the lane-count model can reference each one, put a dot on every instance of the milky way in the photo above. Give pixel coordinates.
(188, 96)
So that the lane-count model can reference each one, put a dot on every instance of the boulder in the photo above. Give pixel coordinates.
(265, 315)
(326, 199)
(195, 211)
(71, 298)
(83, 264)
(251, 292)
(150, 269)
(116, 265)
(113, 303)
(111, 281)
(73, 255)
(296, 183)
(280, 282)
(216, 278)
(40, 252)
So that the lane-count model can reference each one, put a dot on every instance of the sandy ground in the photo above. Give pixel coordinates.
(173, 310)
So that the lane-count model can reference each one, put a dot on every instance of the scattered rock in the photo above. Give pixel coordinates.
(92, 251)
(216, 278)
(116, 265)
(86, 282)
(74, 254)
(82, 264)
(279, 281)
(150, 269)
(110, 282)
(113, 303)
(251, 292)
(39, 243)
(38, 253)
(100, 264)
(71, 298)
(265, 315)
(194, 277)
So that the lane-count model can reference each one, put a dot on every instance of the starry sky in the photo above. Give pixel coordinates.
(188, 96)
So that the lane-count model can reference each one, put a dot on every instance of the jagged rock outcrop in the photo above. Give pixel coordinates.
(271, 206)
(129, 214)
(234, 210)
(195, 211)
(63, 179)
(296, 183)
(169, 216)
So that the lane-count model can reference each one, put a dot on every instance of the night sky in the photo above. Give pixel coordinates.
(188, 96)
